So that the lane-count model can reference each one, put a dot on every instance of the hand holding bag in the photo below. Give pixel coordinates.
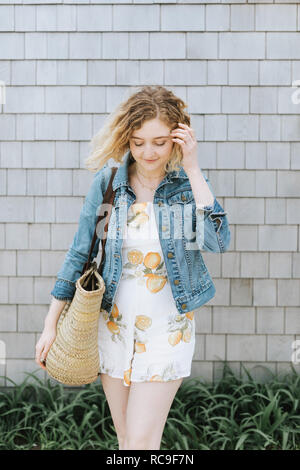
(73, 358)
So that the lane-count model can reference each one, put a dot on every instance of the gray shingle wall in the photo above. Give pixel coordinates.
(65, 66)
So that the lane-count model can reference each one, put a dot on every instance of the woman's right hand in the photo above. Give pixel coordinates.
(43, 345)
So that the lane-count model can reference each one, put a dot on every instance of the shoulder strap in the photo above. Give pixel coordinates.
(108, 197)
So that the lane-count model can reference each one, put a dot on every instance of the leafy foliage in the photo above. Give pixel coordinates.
(230, 414)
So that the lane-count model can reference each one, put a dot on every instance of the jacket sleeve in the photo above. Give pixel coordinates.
(212, 227)
(77, 254)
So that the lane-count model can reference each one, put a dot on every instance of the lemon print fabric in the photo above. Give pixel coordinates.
(145, 338)
(141, 263)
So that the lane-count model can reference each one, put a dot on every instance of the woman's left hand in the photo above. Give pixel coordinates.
(185, 137)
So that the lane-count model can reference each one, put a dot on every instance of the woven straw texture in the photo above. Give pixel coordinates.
(73, 358)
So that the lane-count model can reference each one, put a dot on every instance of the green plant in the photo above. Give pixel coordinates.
(231, 414)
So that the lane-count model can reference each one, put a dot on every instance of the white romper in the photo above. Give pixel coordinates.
(145, 338)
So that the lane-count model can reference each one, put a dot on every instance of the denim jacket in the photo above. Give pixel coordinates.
(184, 230)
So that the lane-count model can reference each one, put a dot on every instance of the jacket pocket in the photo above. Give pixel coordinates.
(184, 196)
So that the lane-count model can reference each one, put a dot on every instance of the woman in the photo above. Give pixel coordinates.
(146, 324)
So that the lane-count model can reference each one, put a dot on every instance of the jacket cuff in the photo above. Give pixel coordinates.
(212, 228)
(214, 211)
(63, 290)
(205, 208)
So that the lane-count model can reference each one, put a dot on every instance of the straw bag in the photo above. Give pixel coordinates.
(73, 358)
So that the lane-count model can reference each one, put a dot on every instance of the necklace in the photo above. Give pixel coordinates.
(144, 186)
(146, 176)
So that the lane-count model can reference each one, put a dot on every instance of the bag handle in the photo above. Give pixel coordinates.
(108, 198)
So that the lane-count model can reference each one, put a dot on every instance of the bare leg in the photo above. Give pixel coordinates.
(148, 406)
(117, 397)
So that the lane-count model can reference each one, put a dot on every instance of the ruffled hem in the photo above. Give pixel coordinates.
(176, 377)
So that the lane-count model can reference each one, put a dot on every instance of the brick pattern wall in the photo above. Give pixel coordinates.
(66, 65)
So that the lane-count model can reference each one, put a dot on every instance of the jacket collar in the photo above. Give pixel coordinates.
(121, 176)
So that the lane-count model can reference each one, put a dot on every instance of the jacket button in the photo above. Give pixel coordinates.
(170, 255)
(176, 282)
(183, 198)
(160, 203)
(164, 228)
(183, 306)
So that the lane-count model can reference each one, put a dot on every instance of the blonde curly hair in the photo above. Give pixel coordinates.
(149, 102)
